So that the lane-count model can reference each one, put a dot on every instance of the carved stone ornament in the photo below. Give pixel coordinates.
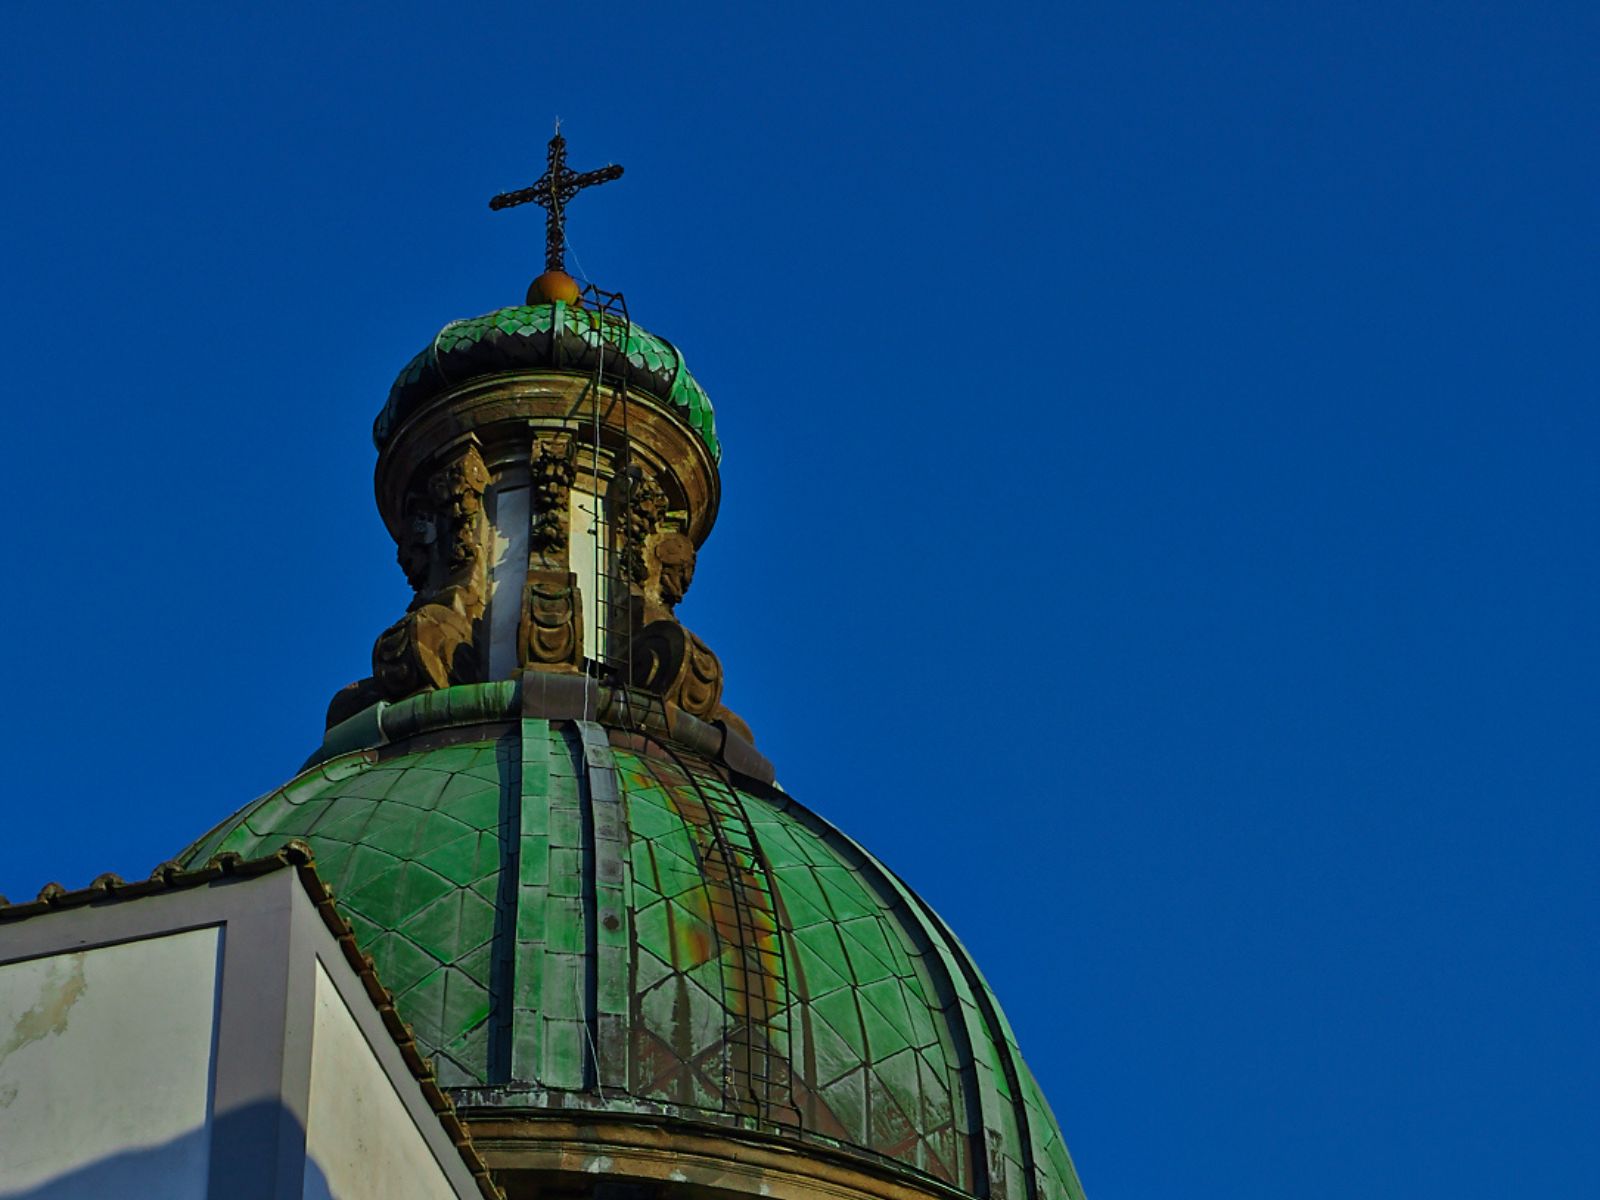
(551, 636)
(667, 658)
(554, 466)
(441, 552)
(638, 504)
(674, 559)
(552, 621)
(430, 647)
(671, 662)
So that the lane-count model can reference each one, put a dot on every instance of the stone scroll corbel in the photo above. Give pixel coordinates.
(666, 657)
(441, 551)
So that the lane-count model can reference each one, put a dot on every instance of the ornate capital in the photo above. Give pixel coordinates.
(637, 505)
(456, 490)
(552, 466)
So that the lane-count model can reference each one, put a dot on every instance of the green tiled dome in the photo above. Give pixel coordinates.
(576, 917)
(552, 336)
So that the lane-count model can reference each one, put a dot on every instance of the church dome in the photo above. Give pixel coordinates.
(673, 939)
(556, 337)
(645, 971)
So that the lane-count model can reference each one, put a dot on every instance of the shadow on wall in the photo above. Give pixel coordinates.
(256, 1153)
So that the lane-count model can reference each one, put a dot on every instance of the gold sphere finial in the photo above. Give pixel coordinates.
(553, 286)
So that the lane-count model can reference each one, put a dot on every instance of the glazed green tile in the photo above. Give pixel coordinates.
(535, 865)
(473, 801)
(883, 1038)
(867, 972)
(613, 986)
(450, 759)
(529, 994)
(886, 1001)
(920, 1013)
(897, 1072)
(844, 893)
(475, 964)
(839, 1010)
(418, 788)
(454, 922)
(679, 845)
(422, 1005)
(653, 930)
(396, 895)
(404, 965)
(649, 970)
(566, 872)
(564, 937)
(865, 967)
(562, 1054)
(347, 822)
(675, 877)
(463, 1053)
(655, 366)
(822, 958)
(933, 1090)
(715, 976)
(643, 856)
(648, 818)
(463, 859)
(566, 865)
(332, 860)
(802, 897)
(707, 1015)
(566, 829)
(466, 1003)
(241, 840)
(400, 832)
(361, 864)
(891, 1130)
(846, 1097)
(276, 812)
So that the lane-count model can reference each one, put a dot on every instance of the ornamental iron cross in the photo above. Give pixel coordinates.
(555, 187)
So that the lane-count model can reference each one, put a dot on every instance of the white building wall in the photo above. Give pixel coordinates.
(361, 1143)
(105, 1066)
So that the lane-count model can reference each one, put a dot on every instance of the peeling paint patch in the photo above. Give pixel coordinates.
(60, 990)
(598, 1164)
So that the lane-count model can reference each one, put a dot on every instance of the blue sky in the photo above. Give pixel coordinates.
(1160, 491)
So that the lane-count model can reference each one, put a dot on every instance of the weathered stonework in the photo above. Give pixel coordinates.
(435, 644)
(558, 435)
(679, 667)
(637, 504)
(551, 634)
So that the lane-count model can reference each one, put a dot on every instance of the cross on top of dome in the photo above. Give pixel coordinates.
(551, 192)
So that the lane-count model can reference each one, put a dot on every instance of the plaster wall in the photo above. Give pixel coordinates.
(508, 572)
(105, 1069)
(586, 550)
(361, 1142)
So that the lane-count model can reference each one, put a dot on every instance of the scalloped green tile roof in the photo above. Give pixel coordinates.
(572, 917)
(553, 336)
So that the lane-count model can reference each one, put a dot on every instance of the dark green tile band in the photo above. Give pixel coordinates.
(555, 337)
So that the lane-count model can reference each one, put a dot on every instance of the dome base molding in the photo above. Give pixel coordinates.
(546, 1155)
